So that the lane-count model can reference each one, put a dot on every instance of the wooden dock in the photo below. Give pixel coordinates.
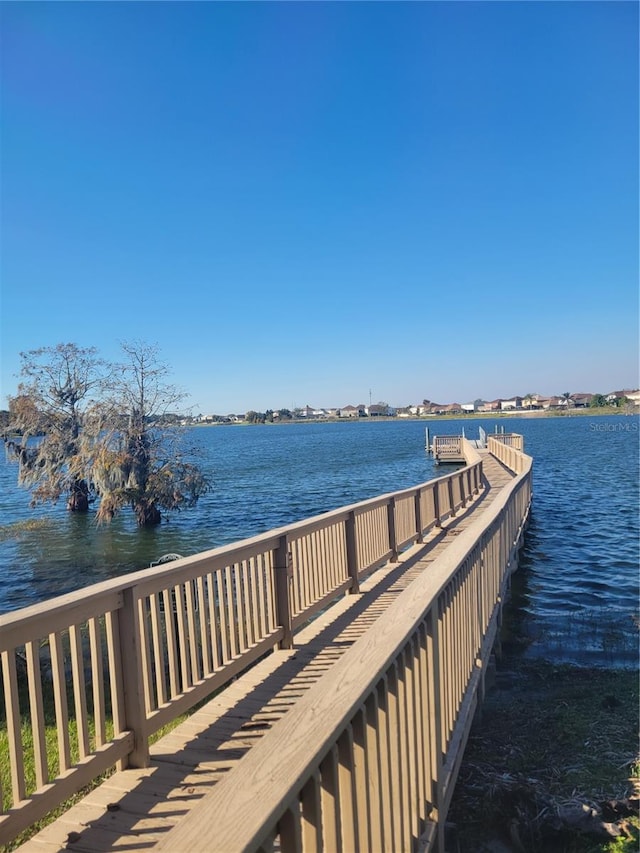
(448, 448)
(428, 566)
(134, 809)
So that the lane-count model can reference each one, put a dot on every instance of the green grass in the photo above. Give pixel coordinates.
(51, 739)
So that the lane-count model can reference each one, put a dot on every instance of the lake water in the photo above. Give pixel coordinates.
(576, 598)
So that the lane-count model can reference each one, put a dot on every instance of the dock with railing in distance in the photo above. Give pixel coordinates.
(340, 661)
(448, 448)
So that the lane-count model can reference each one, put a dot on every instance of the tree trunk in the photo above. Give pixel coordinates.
(147, 514)
(78, 500)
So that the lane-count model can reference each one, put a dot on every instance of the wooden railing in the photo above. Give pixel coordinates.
(509, 449)
(447, 447)
(114, 662)
(367, 759)
(511, 439)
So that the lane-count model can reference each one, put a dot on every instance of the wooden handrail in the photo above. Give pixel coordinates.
(512, 439)
(509, 449)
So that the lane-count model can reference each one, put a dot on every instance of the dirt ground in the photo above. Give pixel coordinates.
(551, 765)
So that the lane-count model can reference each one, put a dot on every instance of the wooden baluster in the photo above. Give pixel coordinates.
(12, 710)
(391, 520)
(60, 700)
(352, 552)
(32, 651)
(436, 504)
(330, 801)
(418, 516)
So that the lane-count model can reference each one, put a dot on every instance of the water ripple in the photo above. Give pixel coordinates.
(577, 593)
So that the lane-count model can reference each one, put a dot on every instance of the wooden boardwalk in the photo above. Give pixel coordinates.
(134, 809)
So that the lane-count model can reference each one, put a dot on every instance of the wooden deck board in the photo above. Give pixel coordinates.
(190, 760)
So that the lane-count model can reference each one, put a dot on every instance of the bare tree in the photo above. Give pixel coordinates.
(89, 430)
(139, 460)
(47, 419)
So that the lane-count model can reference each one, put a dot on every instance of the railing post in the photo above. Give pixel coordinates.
(391, 519)
(418, 517)
(452, 503)
(135, 719)
(283, 573)
(352, 552)
(436, 503)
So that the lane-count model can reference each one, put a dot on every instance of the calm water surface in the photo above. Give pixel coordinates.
(575, 599)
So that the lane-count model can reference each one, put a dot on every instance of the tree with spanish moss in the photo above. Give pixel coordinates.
(47, 431)
(139, 460)
(93, 431)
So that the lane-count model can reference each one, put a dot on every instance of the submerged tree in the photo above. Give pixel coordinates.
(48, 419)
(89, 430)
(138, 460)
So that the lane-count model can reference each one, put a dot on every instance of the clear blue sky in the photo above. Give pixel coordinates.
(305, 202)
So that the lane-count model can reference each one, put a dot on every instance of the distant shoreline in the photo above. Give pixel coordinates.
(427, 419)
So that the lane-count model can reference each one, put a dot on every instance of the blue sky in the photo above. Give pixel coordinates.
(315, 202)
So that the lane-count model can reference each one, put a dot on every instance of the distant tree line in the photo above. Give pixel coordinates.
(598, 401)
(88, 430)
(267, 417)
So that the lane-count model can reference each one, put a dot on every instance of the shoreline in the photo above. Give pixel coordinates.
(426, 419)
